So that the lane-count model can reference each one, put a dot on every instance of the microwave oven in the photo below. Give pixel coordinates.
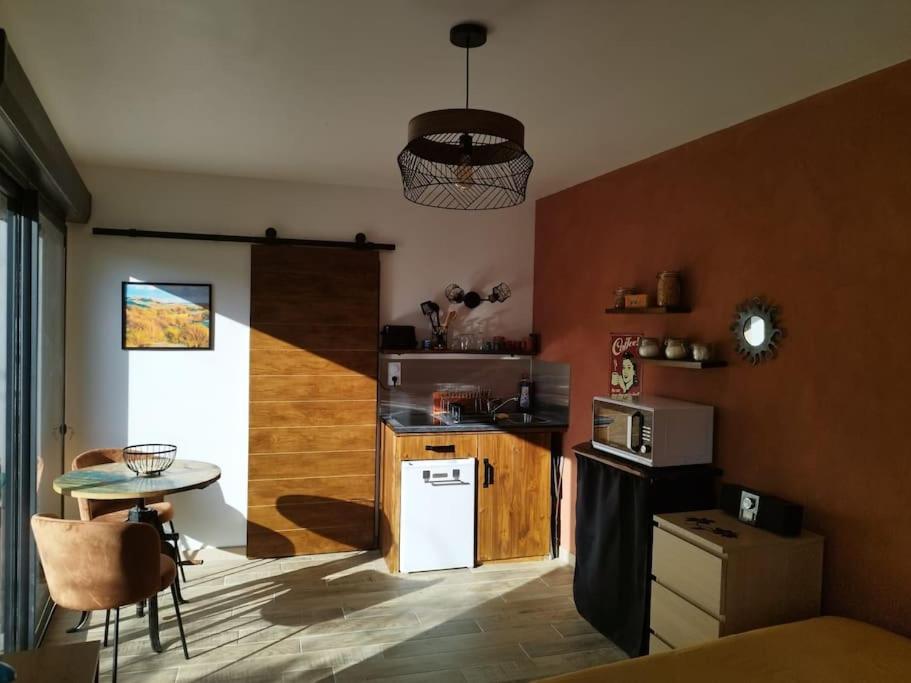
(653, 430)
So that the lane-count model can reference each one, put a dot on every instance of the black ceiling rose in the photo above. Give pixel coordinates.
(465, 158)
(468, 35)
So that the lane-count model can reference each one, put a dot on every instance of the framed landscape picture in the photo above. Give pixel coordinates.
(167, 316)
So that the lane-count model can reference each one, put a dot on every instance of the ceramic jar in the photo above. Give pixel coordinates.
(668, 288)
(701, 352)
(675, 349)
(649, 347)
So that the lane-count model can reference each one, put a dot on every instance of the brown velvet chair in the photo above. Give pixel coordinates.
(118, 510)
(91, 566)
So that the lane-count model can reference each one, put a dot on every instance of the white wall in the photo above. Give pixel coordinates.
(199, 399)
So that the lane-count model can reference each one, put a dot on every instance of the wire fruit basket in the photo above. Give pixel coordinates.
(149, 459)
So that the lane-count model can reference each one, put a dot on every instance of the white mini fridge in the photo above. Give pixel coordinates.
(438, 522)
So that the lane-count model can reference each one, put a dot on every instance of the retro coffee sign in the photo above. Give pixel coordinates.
(626, 366)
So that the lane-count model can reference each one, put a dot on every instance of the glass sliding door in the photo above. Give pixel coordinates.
(48, 383)
(32, 308)
(5, 235)
(18, 458)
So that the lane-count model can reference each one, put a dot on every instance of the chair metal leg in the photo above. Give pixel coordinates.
(107, 624)
(44, 628)
(116, 640)
(172, 551)
(83, 620)
(183, 575)
(183, 638)
(153, 624)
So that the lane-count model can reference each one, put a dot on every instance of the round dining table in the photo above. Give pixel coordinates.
(115, 481)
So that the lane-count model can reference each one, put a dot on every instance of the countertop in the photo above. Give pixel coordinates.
(422, 423)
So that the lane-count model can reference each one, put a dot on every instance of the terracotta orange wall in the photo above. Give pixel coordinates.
(809, 205)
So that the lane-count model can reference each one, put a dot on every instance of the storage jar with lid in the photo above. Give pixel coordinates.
(669, 288)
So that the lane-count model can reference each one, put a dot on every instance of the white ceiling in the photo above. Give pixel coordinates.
(322, 90)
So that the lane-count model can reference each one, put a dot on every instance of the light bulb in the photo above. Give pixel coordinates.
(464, 172)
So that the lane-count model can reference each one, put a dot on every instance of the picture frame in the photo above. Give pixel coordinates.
(166, 316)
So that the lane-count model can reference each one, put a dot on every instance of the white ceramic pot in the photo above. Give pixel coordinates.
(701, 351)
(649, 347)
(675, 349)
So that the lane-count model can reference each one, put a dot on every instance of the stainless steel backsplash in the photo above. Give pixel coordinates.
(551, 388)
(422, 376)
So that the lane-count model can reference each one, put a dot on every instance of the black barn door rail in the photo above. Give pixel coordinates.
(271, 237)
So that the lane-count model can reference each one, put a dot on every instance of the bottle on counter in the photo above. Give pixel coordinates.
(526, 389)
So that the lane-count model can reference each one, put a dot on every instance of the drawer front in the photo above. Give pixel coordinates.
(656, 645)
(688, 570)
(678, 622)
(437, 446)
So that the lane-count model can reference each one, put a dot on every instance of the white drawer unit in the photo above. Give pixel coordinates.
(714, 576)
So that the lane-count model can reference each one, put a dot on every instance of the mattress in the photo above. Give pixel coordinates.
(830, 649)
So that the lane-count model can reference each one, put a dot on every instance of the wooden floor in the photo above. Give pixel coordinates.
(345, 618)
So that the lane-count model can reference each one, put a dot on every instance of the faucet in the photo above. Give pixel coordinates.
(494, 409)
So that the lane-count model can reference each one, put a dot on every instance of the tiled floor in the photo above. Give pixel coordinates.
(345, 618)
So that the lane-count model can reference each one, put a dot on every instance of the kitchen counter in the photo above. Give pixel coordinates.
(515, 487)
(413, 422)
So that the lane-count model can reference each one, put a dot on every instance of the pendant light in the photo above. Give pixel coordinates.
(465, 158)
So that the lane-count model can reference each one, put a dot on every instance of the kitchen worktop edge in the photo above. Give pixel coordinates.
(472, 427)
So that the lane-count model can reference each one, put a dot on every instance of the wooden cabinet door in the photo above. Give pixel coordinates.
(514, 507)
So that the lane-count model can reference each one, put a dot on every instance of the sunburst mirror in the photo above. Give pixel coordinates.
(756, 330)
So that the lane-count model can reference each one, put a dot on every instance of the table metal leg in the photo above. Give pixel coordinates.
(140, 513)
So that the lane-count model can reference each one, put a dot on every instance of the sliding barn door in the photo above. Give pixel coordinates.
(314, 316)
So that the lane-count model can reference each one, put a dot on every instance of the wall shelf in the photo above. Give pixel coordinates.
(420, 354)
(647, 310)
(690, 364)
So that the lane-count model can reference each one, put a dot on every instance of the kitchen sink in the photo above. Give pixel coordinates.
(523, 419)
(507, 419)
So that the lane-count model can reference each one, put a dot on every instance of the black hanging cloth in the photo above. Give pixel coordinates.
(615, 502)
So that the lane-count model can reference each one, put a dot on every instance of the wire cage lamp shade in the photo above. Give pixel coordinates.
(465, 158)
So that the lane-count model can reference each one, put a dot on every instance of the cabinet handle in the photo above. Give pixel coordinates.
(448, 448)
(488, 473)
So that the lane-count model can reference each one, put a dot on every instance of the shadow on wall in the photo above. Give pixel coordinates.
(194, 399)
(198, 527)
(317, 523)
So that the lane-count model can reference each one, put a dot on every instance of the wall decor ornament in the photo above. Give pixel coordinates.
(166, 316)
(756, 330)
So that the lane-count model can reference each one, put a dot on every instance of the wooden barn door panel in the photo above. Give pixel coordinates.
(314, 315)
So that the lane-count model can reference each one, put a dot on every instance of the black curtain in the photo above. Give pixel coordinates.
(613, 544)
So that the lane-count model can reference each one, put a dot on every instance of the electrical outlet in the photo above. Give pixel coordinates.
(394, 374)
